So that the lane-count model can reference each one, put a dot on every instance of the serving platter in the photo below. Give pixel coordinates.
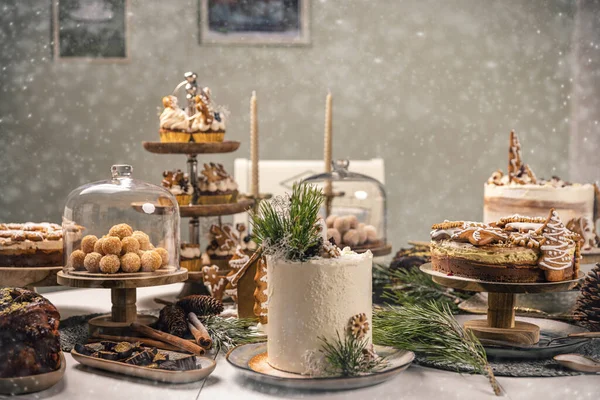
(33, 383)
(549, 329)
(226, 146)
(250, 360)
(206, 365)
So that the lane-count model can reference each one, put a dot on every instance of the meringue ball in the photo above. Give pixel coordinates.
(353, 221)
(342, 224)
(330, 220)
(371, 233)
(362, 235)
(350, 238)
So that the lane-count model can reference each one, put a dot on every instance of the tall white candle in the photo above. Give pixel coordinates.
(254, 145)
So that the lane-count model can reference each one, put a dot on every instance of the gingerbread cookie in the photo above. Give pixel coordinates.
(260, 292)
(213, 281)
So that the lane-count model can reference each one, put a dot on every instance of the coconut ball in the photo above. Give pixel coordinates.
(164, 255)
(353, 221)
(76, 259)
(330, 220)
(87, 243)
(142, 239)
(98, 246)
(130, 262)
(342, 224)
(120, 231)
(335, 234)
(110, 264)
(371, 233)
(129, 244)
(111, 245)
(350, 238)
(92, 262)
(151, 261)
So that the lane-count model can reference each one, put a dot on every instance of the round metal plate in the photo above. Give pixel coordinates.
(241, 357)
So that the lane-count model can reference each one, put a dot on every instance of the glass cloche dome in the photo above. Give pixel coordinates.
(120, 226)
(354, 208)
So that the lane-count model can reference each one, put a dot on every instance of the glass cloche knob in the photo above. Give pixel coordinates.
(341, 167)
(121, 171)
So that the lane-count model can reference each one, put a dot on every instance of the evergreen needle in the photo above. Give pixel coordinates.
(430, 329)
(226, 333)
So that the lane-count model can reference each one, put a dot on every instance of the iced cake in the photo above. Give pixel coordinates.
(520, 191)
(31, 245)
(512, 249)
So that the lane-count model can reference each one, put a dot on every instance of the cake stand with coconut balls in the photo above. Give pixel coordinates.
(128, 238)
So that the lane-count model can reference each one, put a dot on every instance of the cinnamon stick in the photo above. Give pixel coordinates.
(167, 338)
(133, 339)
(164, 302)
(199, 331)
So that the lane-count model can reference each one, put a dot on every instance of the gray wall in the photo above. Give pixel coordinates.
(433, 87)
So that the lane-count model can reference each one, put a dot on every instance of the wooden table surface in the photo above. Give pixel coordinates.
(416, 383)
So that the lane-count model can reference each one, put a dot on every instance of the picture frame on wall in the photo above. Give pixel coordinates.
(254, 22)
(90, 30)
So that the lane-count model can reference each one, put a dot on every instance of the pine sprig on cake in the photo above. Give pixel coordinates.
(431, 330)
(288, 227)
(349, 356)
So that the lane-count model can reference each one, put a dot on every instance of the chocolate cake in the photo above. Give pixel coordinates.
(514, 249)
(29, 338)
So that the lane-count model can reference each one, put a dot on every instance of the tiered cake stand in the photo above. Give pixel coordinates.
(195, 212)
(500, 324)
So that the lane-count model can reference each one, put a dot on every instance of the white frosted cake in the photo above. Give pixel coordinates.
(520, 192)
(314, 299)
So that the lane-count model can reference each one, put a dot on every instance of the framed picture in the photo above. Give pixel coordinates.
(254, 22)
(91, 30)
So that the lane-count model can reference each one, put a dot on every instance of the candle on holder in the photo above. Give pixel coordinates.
(327, 155)
(254, 146)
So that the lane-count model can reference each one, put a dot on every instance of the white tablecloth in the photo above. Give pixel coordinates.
(416, 383)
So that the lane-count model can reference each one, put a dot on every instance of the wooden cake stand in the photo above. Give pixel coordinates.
(500, 323)
(28, 277)
(123, 295)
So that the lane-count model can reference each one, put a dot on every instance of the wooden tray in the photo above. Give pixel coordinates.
(33, 383)
(154, 374)
(378, 251)
(226, 146)
(213, 210)
(29, 276)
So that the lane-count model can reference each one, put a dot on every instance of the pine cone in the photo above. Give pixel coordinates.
(201, 305)
(172, 320)
(587, 310)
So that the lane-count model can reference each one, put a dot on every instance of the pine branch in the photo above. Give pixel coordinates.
(287, 227)
(430, 329)
(348, 356)
(226, 333)
(411, 286)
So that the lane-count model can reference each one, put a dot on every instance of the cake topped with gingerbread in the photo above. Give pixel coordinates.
(512, 249)
(520, 190)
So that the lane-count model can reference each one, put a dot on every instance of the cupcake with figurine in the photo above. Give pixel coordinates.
(208, 124)
(178, 183)
(174, 122)
(216, 186)
(201, 121)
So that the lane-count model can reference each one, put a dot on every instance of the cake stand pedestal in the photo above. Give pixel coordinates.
(500, 323)
(123, 297)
